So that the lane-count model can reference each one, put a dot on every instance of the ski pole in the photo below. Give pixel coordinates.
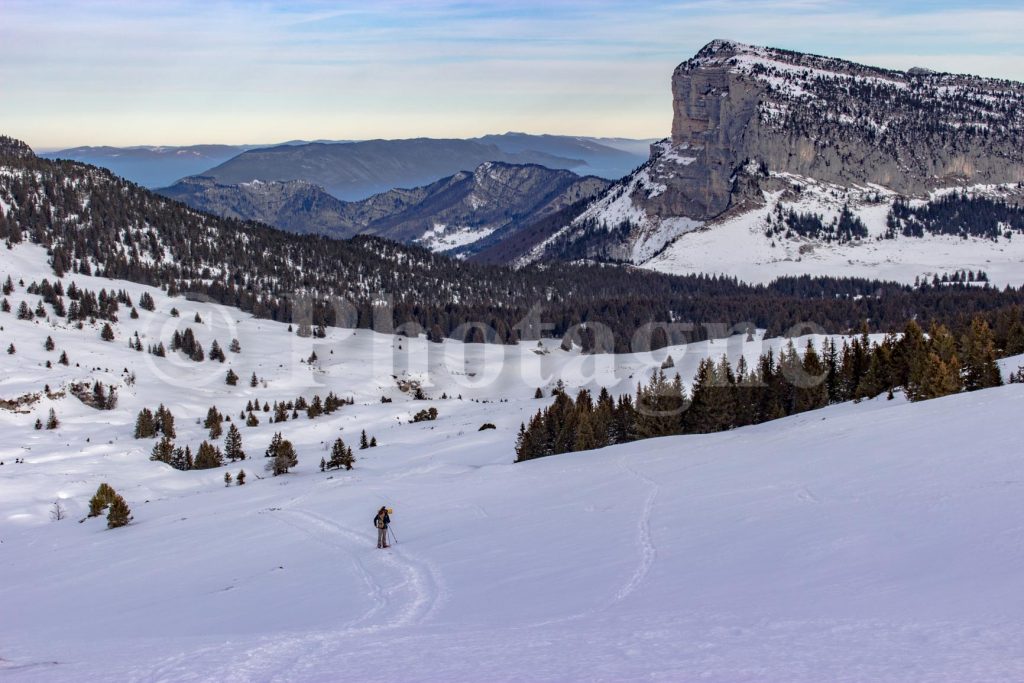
(393, 539)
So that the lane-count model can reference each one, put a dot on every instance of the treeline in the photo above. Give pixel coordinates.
(95, 223)
(722, 397)
(956, 214)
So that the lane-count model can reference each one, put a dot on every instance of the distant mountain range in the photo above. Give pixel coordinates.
(462, 213)
(355, 170)
(152, 166)
(358, 170)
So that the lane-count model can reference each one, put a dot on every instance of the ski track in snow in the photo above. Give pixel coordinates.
(648, 551)
(291, 652)
(419, 577)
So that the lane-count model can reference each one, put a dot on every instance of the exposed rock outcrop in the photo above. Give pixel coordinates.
(743, 115)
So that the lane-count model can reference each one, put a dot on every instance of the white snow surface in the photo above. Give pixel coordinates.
(876, 541)
(444, 237)
(737, 245)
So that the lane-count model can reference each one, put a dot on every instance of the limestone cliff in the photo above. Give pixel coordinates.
(744, 115)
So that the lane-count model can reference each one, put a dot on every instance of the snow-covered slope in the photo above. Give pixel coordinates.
(743, 244)
(871, 541)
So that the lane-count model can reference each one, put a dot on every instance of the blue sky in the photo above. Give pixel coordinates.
(153, 72)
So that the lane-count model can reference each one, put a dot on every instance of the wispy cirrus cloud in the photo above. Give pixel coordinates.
(175, 72)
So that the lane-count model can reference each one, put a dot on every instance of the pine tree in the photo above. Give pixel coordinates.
(1015, 338)
(253, 382)
(235, 347)
(586, 436)
(659, 407)
(215, 352)
(285, 458)
(163, 451)
(10, 349)
(48, 344)
(373, 443)
(101, 499)
(978, 355)
(251, 420)
(145, 426)
(227, 479)
(938, 378)
(712, 400)
(910, 354)
(240, 478)
(165, 422)
(233, 445)
(107, 333)
(538, 393)
(812, 393)
(315, 408)
(231, 379)
(274, 447)
(363, 442)
(208, 457)
(52, 422)
(63, 360)
(341, 456)
(119, 514)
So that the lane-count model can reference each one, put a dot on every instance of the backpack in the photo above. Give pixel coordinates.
(378, 522)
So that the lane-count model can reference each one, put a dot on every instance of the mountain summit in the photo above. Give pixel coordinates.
(749, 122)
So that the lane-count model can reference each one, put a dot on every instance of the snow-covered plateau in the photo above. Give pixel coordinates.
(738, 244)
(876, 541)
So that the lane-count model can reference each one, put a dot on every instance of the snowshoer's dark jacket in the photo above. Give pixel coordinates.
(387, 519)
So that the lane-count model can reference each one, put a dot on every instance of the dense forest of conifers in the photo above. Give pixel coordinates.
(723, 396)
(93, 222)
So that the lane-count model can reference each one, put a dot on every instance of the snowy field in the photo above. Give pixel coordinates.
(737, 245)
(876, 541)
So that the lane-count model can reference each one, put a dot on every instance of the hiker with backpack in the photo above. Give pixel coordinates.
(381, 521)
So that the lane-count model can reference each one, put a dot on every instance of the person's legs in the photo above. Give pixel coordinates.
(382, 538)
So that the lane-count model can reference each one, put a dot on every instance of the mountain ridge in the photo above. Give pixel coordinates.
(753, 126)
(450, 213)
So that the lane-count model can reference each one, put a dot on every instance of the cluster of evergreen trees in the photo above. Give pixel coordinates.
(342, 457)
(282, 455)
(958, 214)
(723, 397)
(85, 304)
(106, 498)
(284, 409)
(208, 456)
(187, 343)
(845, 228)
(149, 424)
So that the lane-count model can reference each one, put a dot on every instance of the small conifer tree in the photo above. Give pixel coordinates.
(119, 514)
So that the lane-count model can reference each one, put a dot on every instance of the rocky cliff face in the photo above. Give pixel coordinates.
(841, 122)
(744, 116)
